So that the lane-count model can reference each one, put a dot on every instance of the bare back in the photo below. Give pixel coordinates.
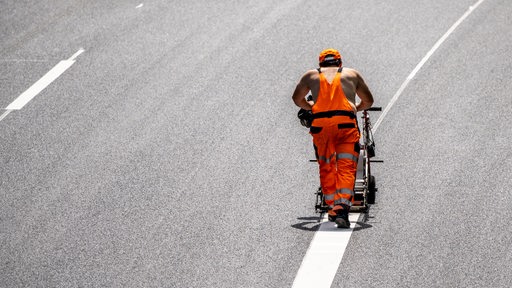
(351, 82)
(348, 82)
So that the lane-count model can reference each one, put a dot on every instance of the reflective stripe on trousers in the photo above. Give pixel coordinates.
(337, 154)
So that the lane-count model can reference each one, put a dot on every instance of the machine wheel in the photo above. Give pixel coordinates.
(372, 188)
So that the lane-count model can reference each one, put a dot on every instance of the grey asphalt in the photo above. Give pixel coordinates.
(169, 154)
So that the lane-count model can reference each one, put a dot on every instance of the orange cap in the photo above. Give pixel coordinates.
(329, 55)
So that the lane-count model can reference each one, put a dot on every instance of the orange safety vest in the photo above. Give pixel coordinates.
(331, 106)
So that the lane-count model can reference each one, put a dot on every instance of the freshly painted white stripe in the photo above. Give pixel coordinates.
(326, 250)
(422, 62)
(323, 257)
(42, 83)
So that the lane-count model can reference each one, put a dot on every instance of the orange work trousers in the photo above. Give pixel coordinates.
(337, 151)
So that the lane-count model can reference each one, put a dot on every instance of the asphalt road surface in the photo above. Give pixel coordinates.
(169, 154)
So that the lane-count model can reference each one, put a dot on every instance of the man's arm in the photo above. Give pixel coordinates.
(364, 94)
(299, 95)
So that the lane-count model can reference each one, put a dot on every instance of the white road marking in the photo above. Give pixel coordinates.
(140, 5)
(5, 114)
(42, 83)
(422, 62)
(324, 255)
(326, 250)
(73, 57)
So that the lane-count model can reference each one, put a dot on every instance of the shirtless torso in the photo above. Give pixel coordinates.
(351, 81)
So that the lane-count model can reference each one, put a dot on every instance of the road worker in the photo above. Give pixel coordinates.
(334, 127)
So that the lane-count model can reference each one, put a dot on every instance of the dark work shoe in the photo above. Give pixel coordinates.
(341, 219)
(331, 218)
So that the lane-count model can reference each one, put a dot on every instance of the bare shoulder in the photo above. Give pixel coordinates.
(350, 72)
(353, 75)
(310, 75)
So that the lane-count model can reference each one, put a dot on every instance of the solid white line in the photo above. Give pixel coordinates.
(422, 62)
(42, 83)
(324, 255)
(326, 250)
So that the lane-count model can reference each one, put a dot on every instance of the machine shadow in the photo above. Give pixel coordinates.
(312, 224)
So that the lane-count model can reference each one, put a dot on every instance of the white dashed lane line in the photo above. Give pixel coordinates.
(42, 83)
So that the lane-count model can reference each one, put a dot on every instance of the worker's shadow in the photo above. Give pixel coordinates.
(312, 224)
